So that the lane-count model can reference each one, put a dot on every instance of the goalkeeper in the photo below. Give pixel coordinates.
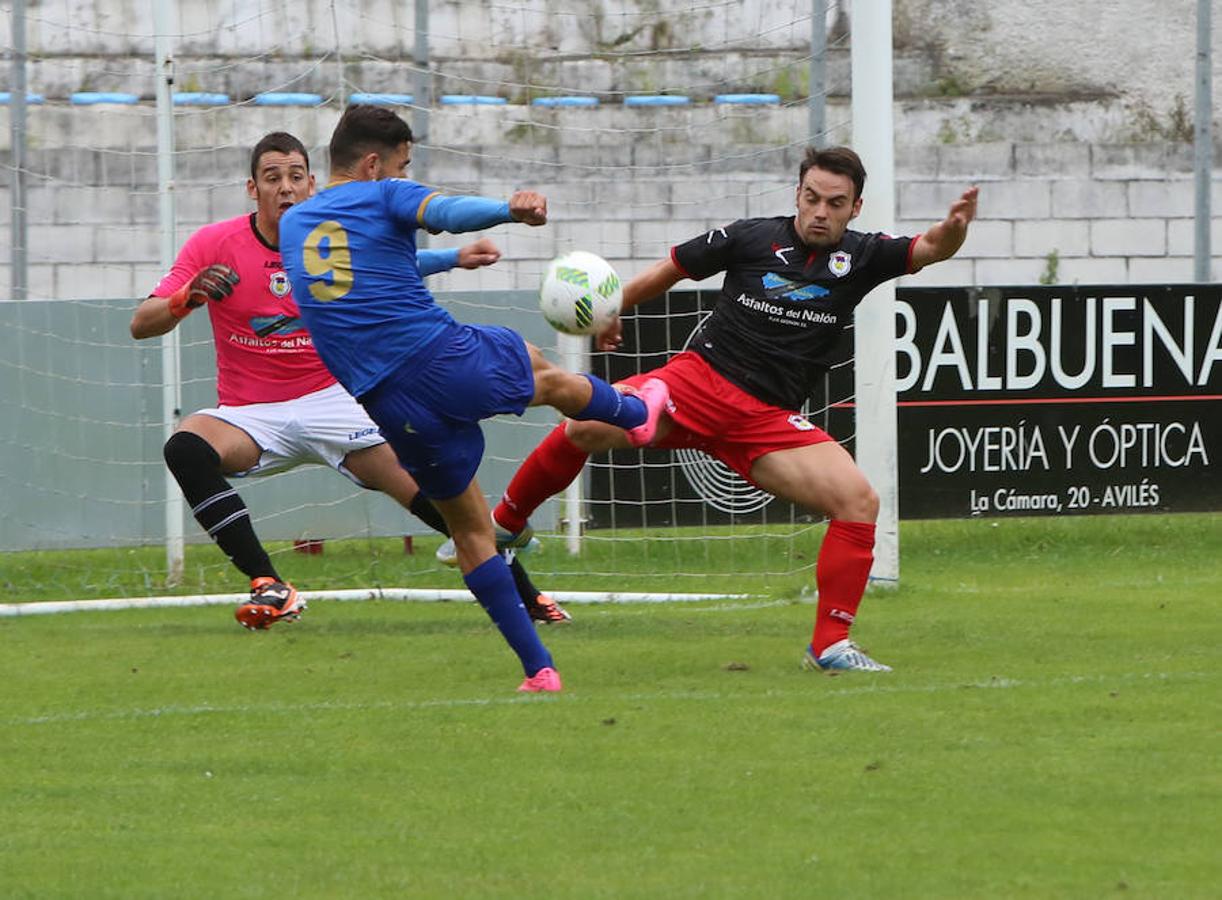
(791, 284)
(279, 406)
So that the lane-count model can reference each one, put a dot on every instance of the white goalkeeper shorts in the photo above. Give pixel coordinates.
(318, 429)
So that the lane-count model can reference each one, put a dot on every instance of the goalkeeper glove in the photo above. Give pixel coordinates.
(213, 283)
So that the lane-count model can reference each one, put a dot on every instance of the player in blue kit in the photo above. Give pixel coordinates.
(424, 378)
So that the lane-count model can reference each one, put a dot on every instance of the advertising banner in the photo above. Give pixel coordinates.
(1057, 400)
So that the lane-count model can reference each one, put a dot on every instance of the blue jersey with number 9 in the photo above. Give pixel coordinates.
(350, 253)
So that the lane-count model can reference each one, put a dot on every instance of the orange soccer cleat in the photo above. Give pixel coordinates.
(271, 601)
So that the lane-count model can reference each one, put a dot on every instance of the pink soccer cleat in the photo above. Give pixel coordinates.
(545, 681)
(655, 394)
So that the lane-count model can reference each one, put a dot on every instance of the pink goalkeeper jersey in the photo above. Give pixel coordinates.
(263, 352)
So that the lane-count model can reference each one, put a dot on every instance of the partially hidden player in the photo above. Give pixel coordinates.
(278, 407)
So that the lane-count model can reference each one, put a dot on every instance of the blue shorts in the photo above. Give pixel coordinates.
(431, 418)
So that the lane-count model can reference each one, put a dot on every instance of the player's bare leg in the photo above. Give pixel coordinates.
(237, 450)
(377, 467)
(553, 464)
(586, 397)
(488, 578)
(824, 478)
(200, 454)
(616, 418)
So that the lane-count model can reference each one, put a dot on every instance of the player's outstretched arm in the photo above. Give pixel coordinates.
(478, 254)
(459, 214)
(528, 207)
(653, 282)
(943, 240)
(160, 315)
(470, 256)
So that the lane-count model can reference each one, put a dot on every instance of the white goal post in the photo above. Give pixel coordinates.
(874, 323)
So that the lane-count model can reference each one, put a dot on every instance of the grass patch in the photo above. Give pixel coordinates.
(1050, 731)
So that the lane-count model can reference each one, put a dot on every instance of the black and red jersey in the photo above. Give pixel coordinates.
(783, 305)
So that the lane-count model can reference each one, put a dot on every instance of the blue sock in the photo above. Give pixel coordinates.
(492, 584)
(609, 405)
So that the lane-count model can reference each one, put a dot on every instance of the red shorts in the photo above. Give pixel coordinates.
(720, 418)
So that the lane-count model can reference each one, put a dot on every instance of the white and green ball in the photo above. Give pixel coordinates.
(580, 294)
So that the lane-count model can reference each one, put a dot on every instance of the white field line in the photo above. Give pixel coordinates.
(417, 595)
(729, 606)
(877, 685)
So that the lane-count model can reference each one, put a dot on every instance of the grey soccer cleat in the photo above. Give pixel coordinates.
(842, 656)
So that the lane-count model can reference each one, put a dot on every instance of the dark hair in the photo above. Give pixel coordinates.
(364, 129)
(840, 160)
(276, 142)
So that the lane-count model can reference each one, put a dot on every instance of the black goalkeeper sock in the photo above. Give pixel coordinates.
(196, 467)
(423, 509)
(526, 588)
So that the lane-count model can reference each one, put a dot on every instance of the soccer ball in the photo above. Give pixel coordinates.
(581, 294)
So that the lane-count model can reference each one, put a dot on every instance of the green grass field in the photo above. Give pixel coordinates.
(1050, 730)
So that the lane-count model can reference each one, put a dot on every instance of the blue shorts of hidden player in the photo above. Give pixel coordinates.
(431, 417)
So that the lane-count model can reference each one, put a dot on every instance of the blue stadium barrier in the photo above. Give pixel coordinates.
(382, 99)
(6, 97)
(275, 98)
(564, 101)
(90, 98)
(656, 100)
(471, 100)
(749, 99)
(199, 98)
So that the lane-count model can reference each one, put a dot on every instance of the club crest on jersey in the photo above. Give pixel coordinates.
(278, 284)
(840, 263)
(801, 423)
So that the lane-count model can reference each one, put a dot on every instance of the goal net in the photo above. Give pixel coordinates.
(643, 127)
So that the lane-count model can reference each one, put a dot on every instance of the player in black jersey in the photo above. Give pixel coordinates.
(791, 285)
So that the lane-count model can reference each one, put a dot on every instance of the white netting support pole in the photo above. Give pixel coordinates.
(171, 374)
(423, 100)
(19, 271)
(874, 328)
(817, 90)
(1202, 146)
(575, 355)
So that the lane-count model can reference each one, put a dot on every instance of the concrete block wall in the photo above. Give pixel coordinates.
(1087, 213)
(969, 47)
(513, 49)
(622, 182)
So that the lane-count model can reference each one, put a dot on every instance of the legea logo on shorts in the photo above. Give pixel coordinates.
(801, 423)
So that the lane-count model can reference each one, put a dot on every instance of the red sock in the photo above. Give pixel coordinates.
(548, 470)
(841, 574)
